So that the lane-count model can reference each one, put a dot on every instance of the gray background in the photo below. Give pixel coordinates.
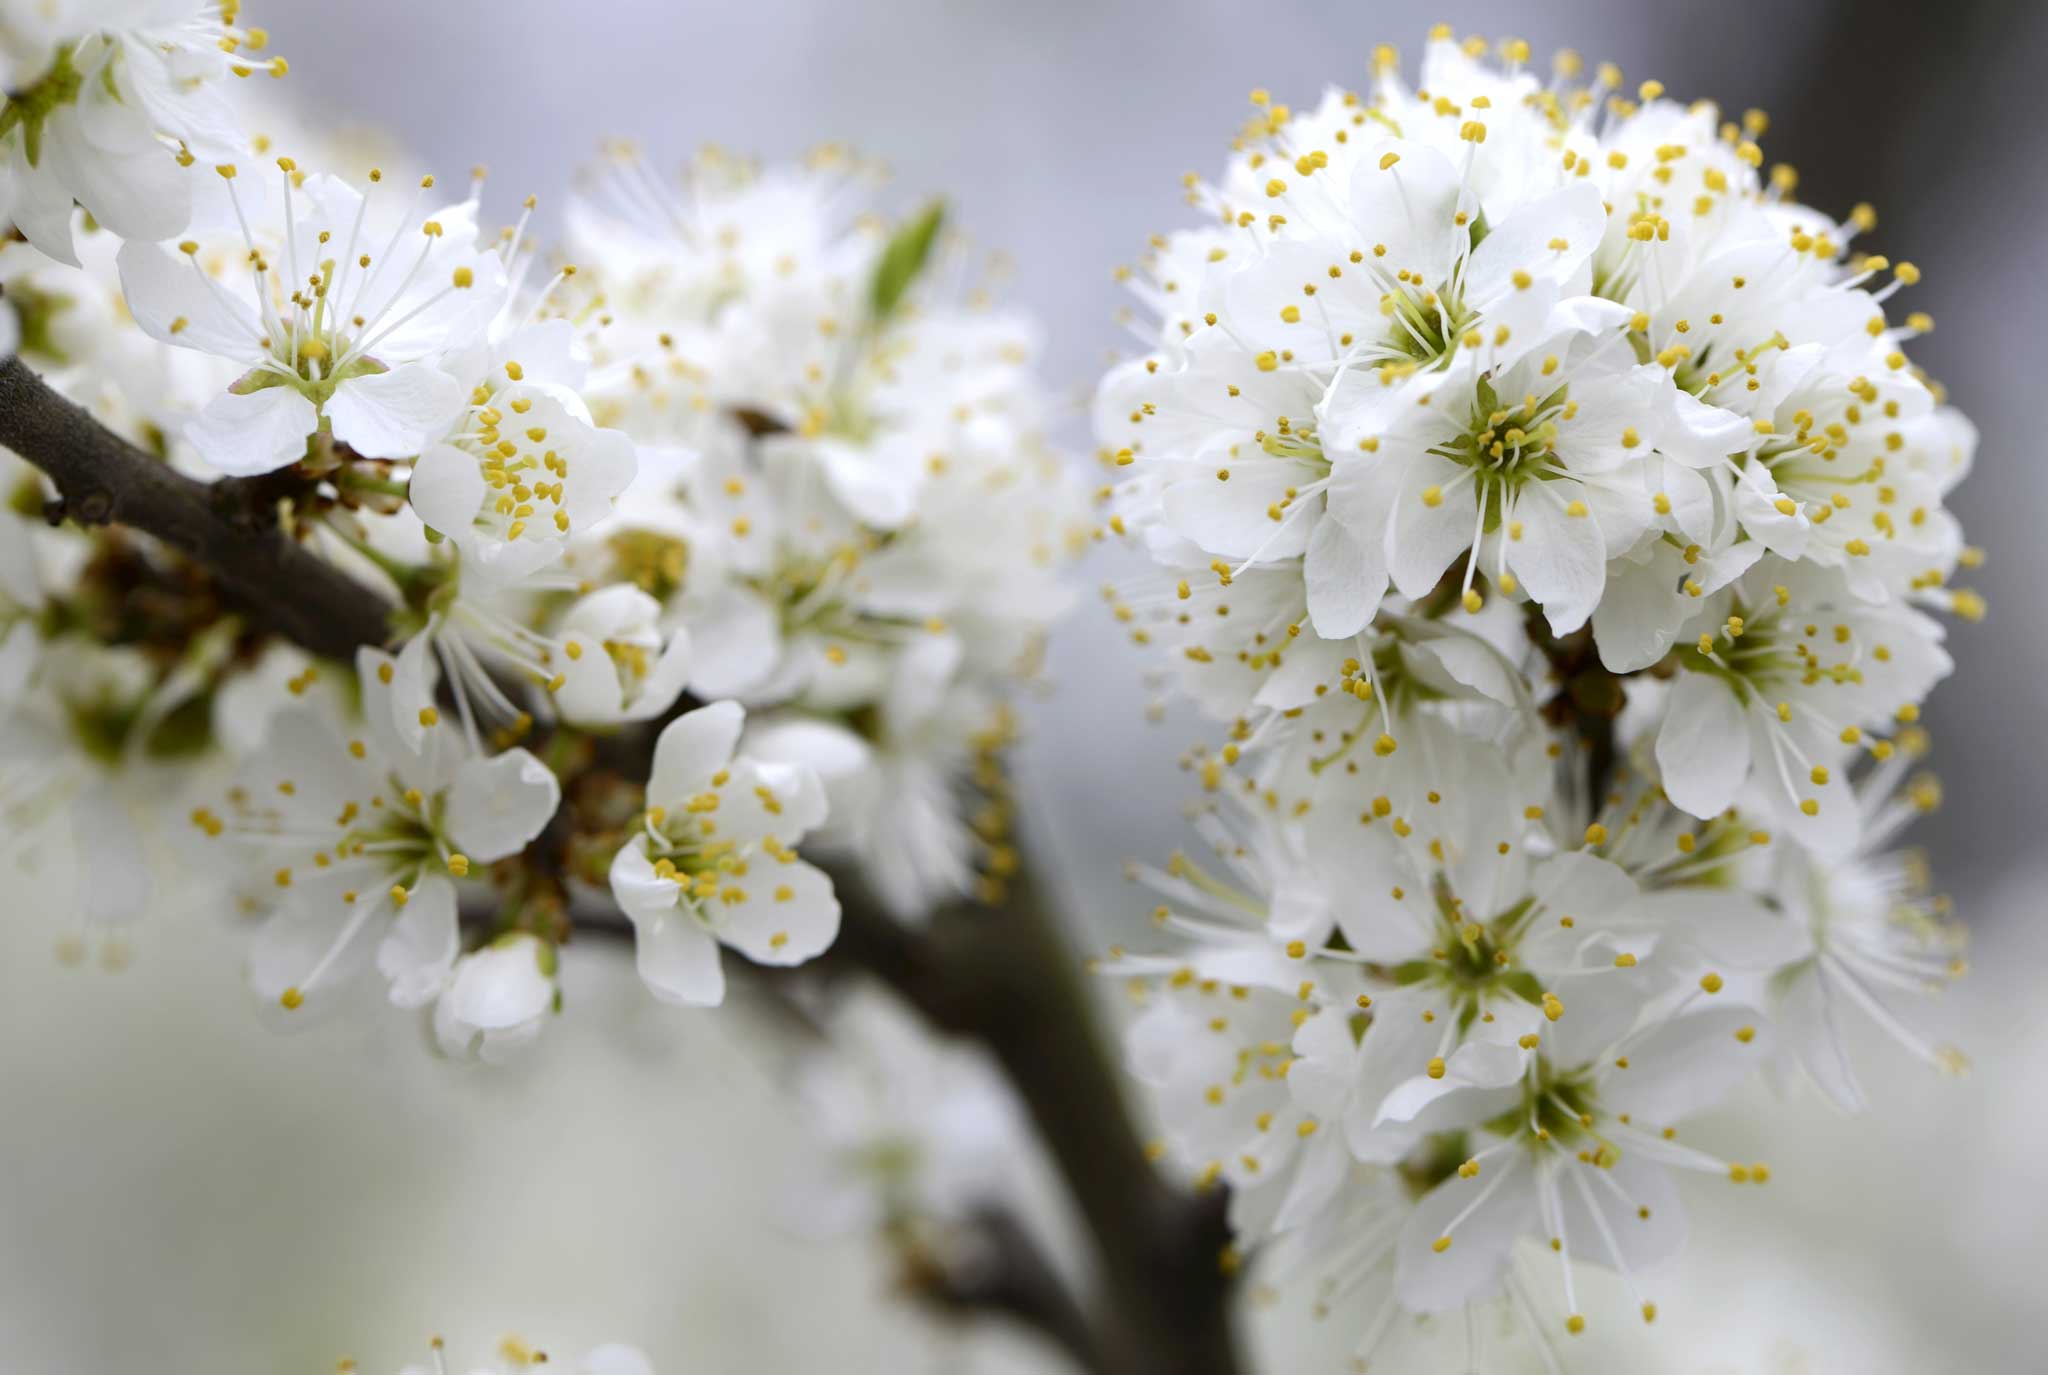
(183, 1191)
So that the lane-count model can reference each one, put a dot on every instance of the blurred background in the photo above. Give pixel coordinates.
(179, 1189)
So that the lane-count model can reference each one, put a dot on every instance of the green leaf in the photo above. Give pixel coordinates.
(908, 249)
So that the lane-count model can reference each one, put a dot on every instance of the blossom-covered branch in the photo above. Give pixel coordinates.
(1539, 500)
(999, 975)
(1545, 506)
(228, 527)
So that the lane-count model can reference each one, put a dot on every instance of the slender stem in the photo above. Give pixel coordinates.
(349, 480)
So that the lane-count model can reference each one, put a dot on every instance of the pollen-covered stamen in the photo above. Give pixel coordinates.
(685, 847)
(520, 436)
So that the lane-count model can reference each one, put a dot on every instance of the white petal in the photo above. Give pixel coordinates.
(1687, 1065)
(1702, 435)
(1809, 1022)
(1703, 747)
(497, 806)
(1471, 1267)
(1423, 540)
(1630, 1206)
(243, 435)
(1525, 242)
(1783, 534)
(678, 961)
(591, 693)
(1561, 558)
(643, 894)
(615, 1359)
(173, 306)
(1643, 609)
(420, 947)
(692, 747)
(1475, 1065)
(918, 686)
(664, 684)
(1323, 1168)
(747, 630)
(866, 483)
(1326, 1055)
(1730, 927)
(1232, 517)
(1411, 206)
(503, 985)
(41, 206)
(132, 186)
(1347, 577)
(314, 928)
(790, 914)
(601, 465)
(447, 489)
(394, 414)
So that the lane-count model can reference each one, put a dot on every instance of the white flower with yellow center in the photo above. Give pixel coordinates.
(1864, 933)
(109, 106)
(711, 861)
(365, 841)
(891, 775)
(524, 469)
(1574, 1152)
(617, 663)
(340, 306)
(1533, 471)
(1789, 677)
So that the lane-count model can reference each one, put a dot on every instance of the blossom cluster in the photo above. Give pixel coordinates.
(857, 465)
(735, 533)
(1542, 501)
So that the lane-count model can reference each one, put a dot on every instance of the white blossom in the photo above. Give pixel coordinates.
(711, 861)
(858, 469)
(366, 840)
(1544, 506)
(109, 104)
(340, 304)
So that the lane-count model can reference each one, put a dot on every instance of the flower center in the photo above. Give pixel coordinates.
(1507, 441)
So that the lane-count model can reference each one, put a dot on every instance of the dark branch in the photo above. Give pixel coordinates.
(229, 527)
(1000, 1270)
(1005, 977)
